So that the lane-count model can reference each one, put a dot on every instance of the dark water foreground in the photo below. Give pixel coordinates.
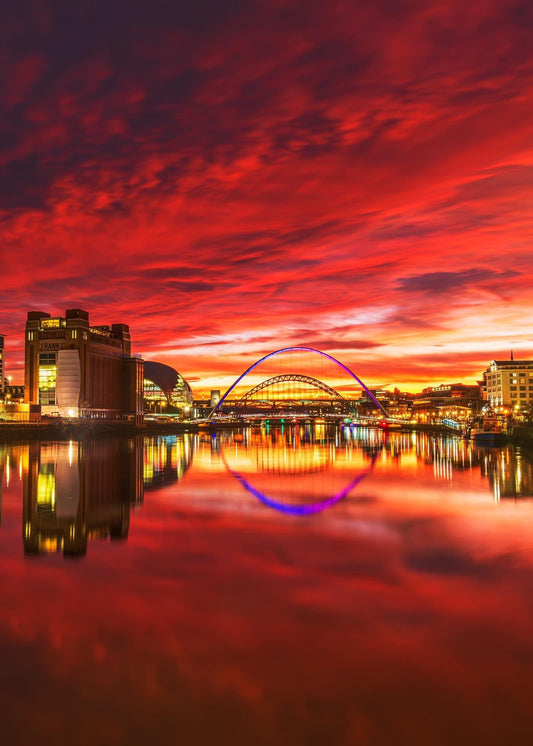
(295, 587)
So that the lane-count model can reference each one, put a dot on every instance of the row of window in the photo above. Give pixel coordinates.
(47, 397)
(57, 335)
(511, 377)
(498, 389)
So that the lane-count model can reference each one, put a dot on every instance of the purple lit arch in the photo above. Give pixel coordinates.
(303, 349)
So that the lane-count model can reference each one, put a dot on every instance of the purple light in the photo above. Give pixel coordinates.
(305, 349)
(301, 510)
(309, 509)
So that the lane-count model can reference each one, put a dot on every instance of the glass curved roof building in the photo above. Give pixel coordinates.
(165, 386)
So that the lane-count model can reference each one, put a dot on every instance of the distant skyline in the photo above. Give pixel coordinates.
(233, 178)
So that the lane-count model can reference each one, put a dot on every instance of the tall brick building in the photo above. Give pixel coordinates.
(73, 369)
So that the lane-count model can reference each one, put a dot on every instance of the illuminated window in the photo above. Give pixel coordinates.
(47, 378)
(50, 323)
(152, 391)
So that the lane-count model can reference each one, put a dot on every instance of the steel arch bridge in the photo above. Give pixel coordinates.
(242, 405)
(291, 378)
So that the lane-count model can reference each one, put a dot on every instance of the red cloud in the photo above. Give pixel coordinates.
(259, 170)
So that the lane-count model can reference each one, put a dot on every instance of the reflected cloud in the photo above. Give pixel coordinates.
(217, 610)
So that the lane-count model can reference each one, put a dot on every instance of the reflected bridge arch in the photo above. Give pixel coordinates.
(271, 495)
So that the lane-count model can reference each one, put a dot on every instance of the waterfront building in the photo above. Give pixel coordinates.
(165, 390)
(74, 369)
(453, 392)
(509, 383)
(201, 408)
(13, 392)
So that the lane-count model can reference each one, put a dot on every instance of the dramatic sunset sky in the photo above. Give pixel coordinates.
(234, 176)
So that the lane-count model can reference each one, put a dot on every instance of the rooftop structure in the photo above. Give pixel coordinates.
(165, 387)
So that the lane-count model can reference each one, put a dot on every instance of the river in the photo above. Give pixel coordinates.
(303, 585)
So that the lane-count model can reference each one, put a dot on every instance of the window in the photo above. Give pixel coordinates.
(50, 323)
(47, 397)
(47, 378)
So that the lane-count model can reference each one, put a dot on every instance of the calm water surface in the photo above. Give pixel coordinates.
(304, 586)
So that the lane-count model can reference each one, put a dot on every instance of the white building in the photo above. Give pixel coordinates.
(509, 383)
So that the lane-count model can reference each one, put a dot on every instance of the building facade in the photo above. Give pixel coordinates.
(509, 383)
(73, 369)
(165, 390)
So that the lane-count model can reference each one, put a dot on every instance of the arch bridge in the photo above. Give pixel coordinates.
(290, 395)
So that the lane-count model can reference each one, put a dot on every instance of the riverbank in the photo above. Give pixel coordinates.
(89, 429)
(86, 430)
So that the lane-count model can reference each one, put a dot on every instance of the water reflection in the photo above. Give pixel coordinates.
(166, 459)
(217, 604)
(77, 491)
(299, 470)
(510, 473)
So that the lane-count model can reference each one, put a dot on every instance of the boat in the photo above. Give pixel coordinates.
(488, 432)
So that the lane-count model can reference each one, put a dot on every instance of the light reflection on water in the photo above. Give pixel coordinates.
(289, 585)
(76, 491)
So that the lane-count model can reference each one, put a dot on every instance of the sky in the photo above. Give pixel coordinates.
(234, 178)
